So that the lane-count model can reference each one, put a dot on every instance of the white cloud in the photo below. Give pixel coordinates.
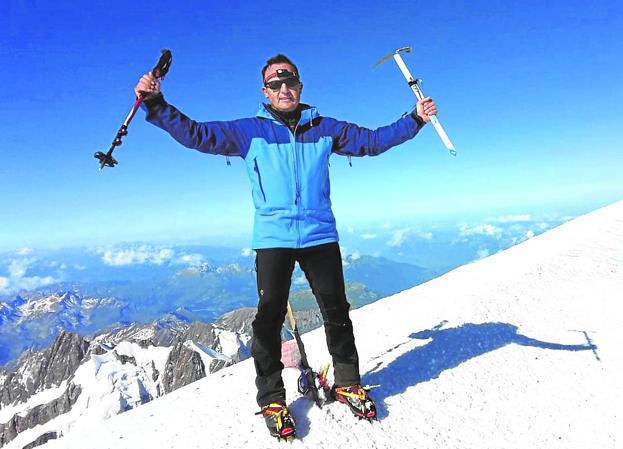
(246, 252)
(141, 255)
(18, 280)
(514, 218)
(529, 234)
(118, 257)
(482, 253)
(163, 256)
(18, 267)
(516, 228)
(24, 251)
(190, 259)
(31, 283)
(356, 255)
(482, 229)
(368, 236)
(398, 237)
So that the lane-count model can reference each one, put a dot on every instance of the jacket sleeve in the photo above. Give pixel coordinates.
(221, 137)
(353, 140)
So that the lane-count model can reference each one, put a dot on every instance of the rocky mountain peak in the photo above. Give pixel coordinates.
(36, 371)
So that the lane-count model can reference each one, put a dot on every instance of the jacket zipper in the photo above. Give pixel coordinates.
(297, 197)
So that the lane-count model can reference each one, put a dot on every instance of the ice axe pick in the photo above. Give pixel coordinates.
(414, 84)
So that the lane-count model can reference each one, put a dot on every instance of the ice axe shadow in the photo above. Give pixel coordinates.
(448, 349)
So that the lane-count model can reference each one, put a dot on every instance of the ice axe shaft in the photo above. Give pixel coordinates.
(308, 376)
(414, 84)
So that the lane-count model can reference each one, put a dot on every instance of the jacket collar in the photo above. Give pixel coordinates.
(308, 113)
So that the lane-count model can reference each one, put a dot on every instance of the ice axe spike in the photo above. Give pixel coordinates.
(414, 84)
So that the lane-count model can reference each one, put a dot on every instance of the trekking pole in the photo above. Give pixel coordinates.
(307, 379)
(414, 84)
(159, 71)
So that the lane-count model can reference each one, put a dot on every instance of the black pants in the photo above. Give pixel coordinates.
(322, 266)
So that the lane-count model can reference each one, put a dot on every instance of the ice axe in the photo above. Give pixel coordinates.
(414, 84)
(159, 71)
(307, 378)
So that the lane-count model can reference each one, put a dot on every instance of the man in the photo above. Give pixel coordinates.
(286, 148)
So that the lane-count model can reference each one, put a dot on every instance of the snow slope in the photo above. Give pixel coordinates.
(518, 350)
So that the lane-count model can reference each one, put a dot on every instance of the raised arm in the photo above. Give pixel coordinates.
(354, 140)
(217, 137)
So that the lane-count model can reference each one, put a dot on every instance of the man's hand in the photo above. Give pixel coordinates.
(147, 86)
(425, 108)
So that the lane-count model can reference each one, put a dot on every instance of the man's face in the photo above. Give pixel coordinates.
(282, 97)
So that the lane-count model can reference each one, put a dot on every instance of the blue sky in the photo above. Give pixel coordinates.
(528, 91)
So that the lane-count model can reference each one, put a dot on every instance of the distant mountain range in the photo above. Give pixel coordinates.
(32, 319)
(102, 360)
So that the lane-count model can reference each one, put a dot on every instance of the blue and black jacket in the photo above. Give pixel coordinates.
(288, 170)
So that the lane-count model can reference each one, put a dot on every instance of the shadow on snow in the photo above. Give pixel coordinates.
(447, 349)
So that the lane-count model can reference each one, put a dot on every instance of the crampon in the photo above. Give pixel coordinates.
(279, 421)
(357, 399)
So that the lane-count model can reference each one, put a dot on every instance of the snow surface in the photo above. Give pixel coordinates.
(229, 341)
(206, 353)
(518, 350)
(109, 386)
(40, 306)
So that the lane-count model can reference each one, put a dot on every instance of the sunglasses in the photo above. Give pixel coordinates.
(291, 83)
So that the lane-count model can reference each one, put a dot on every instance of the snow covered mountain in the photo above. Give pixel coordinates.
(518, 350)
(35, 319)
(76, 380)
(67, 307)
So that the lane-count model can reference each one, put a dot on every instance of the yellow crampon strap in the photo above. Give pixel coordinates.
(323, 371)
(276, 410)
(344, 392)
(322, 375)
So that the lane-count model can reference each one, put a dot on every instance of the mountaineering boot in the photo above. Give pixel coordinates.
(278, 420)
(357, 399)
